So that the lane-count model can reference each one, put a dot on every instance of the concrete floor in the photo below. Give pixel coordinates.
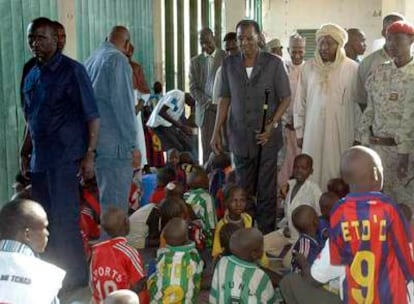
(83, 296)
(78, 296)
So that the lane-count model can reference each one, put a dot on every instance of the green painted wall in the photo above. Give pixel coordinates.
(14, 18)
(94, 19)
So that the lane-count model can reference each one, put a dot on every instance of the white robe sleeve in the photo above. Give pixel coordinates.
(299, 105)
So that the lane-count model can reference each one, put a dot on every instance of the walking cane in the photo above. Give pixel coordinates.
(263, 128)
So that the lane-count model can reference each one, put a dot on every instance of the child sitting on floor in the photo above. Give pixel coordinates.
(174, 189)
(302, 191)
(176, 207)
(178, 268)
(326, 202)
(229, 182)
(164, 176)
(306, 222)
(90, 212)
(186, 162)
(202, 202)
(226, 232)
(173, 157)
(219, 169)
(338, 186)
(237, 278)
(114, 264)
(123, 296)
(235, 202)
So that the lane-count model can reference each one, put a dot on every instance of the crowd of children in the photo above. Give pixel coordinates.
(195, 241)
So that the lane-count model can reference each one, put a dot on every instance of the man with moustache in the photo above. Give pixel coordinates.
(246, 80)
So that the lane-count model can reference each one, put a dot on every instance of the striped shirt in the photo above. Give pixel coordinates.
(370, 237)
(178, 275)
(202, 204)
(115, 265)
(307, 246)
(239, 281)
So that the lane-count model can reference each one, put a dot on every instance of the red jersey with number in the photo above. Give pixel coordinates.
(115, 265)
(372, 239)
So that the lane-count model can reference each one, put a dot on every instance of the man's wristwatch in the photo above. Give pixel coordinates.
(275, 124)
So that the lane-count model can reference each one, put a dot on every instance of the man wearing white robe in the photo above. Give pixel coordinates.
(297, 52)
(325, 105)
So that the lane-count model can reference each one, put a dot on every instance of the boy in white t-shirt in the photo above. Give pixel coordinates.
(302, 191)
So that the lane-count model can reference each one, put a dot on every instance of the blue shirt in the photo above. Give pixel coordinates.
(309, 247)
(111, 77)
(322, 229)
(58, 103)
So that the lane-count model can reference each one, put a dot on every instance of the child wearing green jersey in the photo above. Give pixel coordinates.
(202, 202)
(237, 278)
(178, 268)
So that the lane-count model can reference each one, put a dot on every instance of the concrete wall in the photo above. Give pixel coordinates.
(234, 12)
(66, 11)
(282, 17)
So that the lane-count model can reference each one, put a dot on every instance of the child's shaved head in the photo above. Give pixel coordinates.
(176, 232)
(186, 158)
(172, 207)
(305, 219)
(122, 296)
(174, 189)
(326, 202)
(115, 222)
(361, 169)
(247, 244)
(198, 178)
(306, 158)
(302, 167)
(225, 234)
(338, 186)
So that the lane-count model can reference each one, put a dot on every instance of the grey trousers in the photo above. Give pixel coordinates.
(296, 290)
(207, 131)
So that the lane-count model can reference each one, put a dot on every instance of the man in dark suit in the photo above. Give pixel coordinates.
(203, 69)
(245, 79)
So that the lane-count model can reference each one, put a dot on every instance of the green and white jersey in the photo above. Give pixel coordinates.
(178, 275)
(203, 206)
(239, 281)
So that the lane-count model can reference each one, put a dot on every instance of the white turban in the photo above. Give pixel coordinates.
(335, 31)
(341, 37)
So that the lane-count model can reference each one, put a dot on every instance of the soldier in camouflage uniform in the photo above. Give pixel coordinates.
(387, 125)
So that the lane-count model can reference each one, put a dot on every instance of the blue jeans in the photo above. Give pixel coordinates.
(114, 177)
(57, 190)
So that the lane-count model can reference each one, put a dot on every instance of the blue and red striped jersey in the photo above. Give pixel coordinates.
(372, 239)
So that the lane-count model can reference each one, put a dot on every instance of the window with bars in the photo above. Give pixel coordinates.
(310, 35)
